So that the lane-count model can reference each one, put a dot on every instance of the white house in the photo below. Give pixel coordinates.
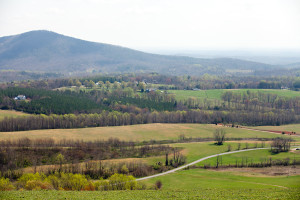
(20, 97)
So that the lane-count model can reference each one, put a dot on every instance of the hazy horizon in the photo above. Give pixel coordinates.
(164, 25)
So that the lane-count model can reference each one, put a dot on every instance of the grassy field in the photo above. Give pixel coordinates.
(136, 132)
(217, 93)
(188, 184)
(185, 94)
(211, 193)
(251, 156)
(185, 184)
(205, 179)
(11, 113)
(290, 128)
(196, 150)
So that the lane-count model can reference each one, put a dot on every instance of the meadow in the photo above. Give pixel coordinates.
(205, 179)
(199, 193)
(252, 156)
(187, 184)
(289, 127)
(11, 113)
(194, 151)
(143, 132)
(217, 93)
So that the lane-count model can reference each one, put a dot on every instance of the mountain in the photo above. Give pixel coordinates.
(45, 51)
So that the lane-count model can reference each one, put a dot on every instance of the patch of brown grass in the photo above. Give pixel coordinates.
(11, 113)
(263, 172)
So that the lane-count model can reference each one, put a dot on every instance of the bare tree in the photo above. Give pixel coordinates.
(219, 136)
(239, 146)
(218, 161)
(228, 147)
(281, 145)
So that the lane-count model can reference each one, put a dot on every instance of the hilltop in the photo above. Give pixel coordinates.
(46, 51)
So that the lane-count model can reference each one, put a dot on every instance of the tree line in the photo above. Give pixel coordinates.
(187, 82)
(116, 118)
(259, 100)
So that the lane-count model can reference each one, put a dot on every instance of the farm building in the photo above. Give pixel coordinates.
(20, 97)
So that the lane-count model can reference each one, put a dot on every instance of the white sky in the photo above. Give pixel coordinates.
(161, 24)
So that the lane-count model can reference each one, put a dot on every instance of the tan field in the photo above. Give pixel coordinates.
(11, 113)
(290, 128)
(144, 132)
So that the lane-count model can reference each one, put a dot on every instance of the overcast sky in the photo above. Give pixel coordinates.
(161, 24)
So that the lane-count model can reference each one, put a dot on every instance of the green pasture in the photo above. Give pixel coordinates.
(256, 156)
(196, 150)
(208, 94)
(205, 179)
(217, 93)
(211, 193)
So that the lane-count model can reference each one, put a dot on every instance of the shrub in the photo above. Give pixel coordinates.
(5, 184)
(38, 185)
(122, 182)
(102, 185)
(141, 186)
(73, 181)
(30, 177)
(158, 185)
(228, 147)
(90, 186)
(54, 181)
(124, 169)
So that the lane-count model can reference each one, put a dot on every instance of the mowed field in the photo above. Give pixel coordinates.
(11, 113)
(144, 132)
(217, 93)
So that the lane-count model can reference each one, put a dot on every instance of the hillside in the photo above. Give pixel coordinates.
(45, 51)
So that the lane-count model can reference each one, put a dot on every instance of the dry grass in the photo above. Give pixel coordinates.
(11, 113)
(290, 128)
(263, 172)
(135, 132)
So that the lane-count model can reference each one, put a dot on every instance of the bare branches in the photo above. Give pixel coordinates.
(281, 145)
(219, 136)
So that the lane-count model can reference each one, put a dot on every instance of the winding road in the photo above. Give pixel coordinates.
(195, 162)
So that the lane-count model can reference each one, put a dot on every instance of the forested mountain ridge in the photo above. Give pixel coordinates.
(45, 51)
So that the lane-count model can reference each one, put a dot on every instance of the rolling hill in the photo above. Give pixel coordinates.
(45, 51)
